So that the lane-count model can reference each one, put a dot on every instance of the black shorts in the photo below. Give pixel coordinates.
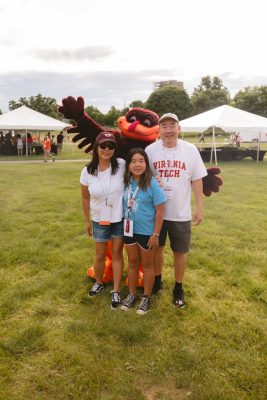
(179, 233)
(141, 240)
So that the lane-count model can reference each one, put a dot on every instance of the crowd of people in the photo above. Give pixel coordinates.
(138, 203)
(20, 143)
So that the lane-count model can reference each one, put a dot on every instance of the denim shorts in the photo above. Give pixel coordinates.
(104, 233)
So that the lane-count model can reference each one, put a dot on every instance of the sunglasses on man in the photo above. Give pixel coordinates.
(107, 145)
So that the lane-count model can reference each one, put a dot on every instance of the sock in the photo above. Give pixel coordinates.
(157, 283)
(177, 287)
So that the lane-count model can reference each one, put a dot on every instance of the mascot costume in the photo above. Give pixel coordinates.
(138, 128)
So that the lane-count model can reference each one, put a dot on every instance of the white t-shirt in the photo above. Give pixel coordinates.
(105, 186)
(177, 167)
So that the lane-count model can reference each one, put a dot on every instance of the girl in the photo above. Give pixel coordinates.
(143, 203)
(102, 191)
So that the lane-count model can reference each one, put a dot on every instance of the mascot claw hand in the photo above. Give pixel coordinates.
(86, 128)
(212, 182)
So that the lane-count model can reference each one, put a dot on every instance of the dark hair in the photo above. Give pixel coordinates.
(92, 167)
(146, 177)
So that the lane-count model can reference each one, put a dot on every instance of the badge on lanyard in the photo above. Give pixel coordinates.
(128, 227)
(128, 223)
(105, 211)
(105, 215)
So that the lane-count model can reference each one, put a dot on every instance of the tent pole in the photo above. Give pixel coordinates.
(213, 147)
(214, 144)
(26, 143)
(258, 148)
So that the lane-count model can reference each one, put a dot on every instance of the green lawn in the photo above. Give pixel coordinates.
(58, 344)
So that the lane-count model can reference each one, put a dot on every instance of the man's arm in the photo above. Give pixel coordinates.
(197, 187)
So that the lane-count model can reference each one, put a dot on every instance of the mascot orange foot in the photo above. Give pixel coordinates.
(138, 128)
(108, 273)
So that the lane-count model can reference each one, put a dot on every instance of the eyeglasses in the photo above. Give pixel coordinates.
(105, 145)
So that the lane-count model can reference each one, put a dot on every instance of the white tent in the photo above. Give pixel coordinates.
(230, 119)
(28, 119)
(25, 118)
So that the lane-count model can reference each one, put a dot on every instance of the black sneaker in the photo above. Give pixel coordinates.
(128, 303)
(96, 289)
(144, 306)
(115, 300)
(178, 299)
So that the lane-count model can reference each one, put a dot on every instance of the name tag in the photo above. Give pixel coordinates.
(105, 215)
(168, 191)
(128, 227)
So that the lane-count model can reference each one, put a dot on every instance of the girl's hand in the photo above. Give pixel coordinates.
(153, 242)
(88, 228)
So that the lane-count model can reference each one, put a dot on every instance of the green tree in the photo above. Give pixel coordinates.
(1, 112)
(44, 105)
(137, 103)
(170, 99)
(209, 94)
(252, 99)
(95, 113)
(112, 116)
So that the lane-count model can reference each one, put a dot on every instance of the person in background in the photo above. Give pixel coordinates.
(60, 138)
(202, 138)
(180, 168)
(143, 204)
(102, 190)
(19, 144)
(29, 143)
(47, 148)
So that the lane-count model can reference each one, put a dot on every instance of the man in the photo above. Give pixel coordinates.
(60, 138)
(180, 168)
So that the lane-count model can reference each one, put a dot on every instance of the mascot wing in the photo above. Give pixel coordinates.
(86, 128)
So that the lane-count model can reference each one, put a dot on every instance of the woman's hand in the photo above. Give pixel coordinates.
(88, 228)
(153, 242)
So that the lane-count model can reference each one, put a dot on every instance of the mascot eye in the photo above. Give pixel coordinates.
(147, 122)
(132, 118)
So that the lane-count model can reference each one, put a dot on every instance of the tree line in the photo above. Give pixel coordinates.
(210, 93)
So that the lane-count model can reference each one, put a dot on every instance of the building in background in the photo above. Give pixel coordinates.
(160, 84)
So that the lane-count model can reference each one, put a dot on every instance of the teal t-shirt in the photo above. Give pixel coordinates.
(143, 210)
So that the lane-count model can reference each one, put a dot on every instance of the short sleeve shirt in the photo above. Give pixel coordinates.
(177, 168)
(105, 188)
(143, 210)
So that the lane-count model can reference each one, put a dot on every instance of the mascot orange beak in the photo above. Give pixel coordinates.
(135, 130)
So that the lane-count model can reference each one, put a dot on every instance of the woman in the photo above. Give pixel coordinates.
(102, 191)
(143, 202)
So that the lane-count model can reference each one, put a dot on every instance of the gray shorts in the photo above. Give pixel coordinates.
(179, 233)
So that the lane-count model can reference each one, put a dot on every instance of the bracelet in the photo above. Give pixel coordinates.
(155, 234)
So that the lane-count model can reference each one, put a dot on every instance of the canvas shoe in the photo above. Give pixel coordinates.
(96, 289)
(178, 299)
(144, 306)
(128, 303)
(115, 300)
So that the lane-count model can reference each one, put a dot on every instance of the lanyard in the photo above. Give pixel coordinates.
(173, 156)
(105, 186)
(130, 200)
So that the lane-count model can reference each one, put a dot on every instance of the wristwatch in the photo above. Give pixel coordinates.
(155, 234)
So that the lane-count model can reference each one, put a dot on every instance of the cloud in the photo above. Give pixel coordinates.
(100, 89)
(103, 89)
(235, 83)
(84, 53)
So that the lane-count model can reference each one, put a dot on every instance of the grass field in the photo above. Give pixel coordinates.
(58, 344)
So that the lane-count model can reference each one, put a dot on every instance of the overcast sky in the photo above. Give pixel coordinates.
(112, 51)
